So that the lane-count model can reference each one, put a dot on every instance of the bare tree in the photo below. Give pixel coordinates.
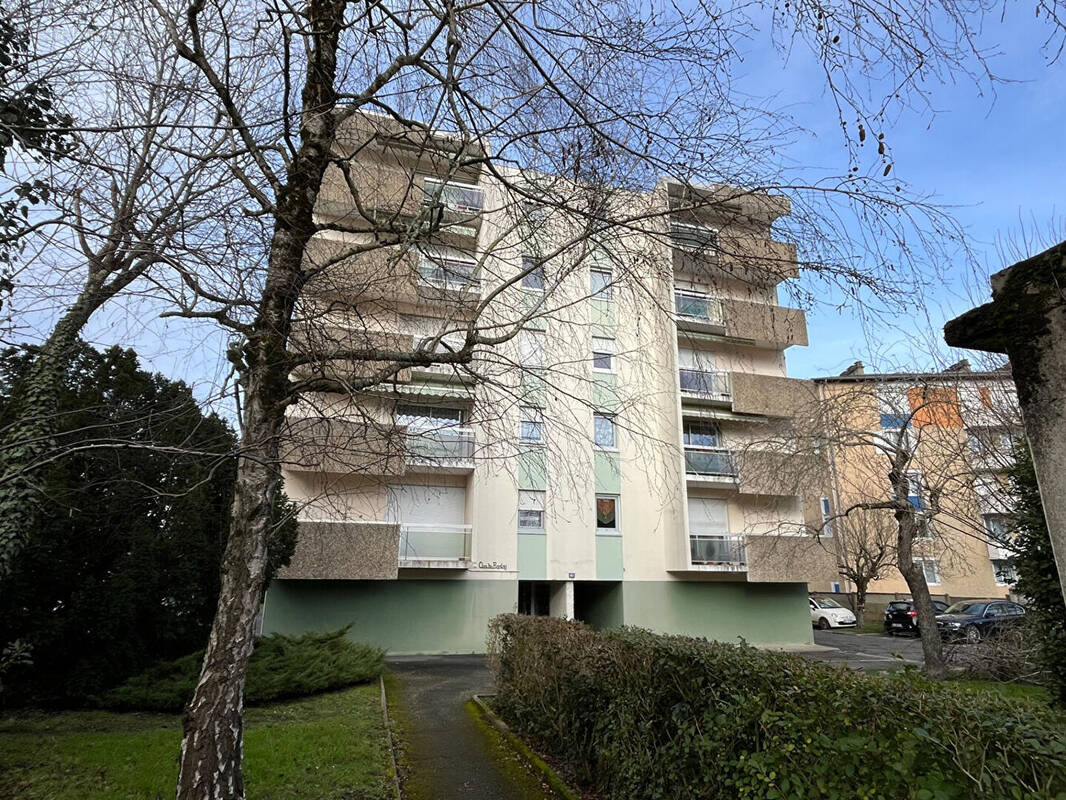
(866, 551)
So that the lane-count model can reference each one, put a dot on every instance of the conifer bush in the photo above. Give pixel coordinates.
(281, 667)
(637, 715)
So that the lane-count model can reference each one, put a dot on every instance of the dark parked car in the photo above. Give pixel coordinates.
(978, 619)
(900, 616)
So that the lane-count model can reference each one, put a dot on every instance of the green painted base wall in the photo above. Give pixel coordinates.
(761, 613)
(435, 616)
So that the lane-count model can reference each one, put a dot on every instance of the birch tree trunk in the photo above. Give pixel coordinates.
(213, 741)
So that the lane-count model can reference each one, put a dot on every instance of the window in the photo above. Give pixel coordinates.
(603, 431)
(602, 354)
(914, 488)
(996, 525)
(429, 417)
(827, 512)
(607, 514)
(600, 284)
(531, 348)
(531, 425)
(893, 406)
(534, 277)
(930, 569)
(701, 433)
(531, 511)
(453, 195)
(1006, 575)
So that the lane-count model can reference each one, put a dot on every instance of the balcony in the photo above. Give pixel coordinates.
(687, 236)
(449, 274)
(706, 385)
(725, 552)
(710, 464)
(434, 546)
(764, 324)
(751, 259)
(699, 312)
(344, 550)
(443, 449)
(342, 446)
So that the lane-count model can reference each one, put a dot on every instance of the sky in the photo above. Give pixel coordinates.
(993, 156)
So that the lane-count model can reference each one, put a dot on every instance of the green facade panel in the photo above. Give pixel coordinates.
(602, 318)
(405, 616)
(760, 613)
(532, 557)
(532, 470)
(608, 558)
(608, 476)
(527, 304)
(605, 392)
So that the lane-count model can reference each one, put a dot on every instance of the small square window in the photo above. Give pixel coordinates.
(602, 354)
(603, 431)
(531, 425)
(600, 284)
(530, 511)
(607, 514)
(533, 279)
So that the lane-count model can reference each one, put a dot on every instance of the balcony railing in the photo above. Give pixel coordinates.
(692, 237)
(446, 273)
(444, 447)
(434, 544)
(463, 198)
(699, 308)
(724, 551)
(713, 462)
(704, 384)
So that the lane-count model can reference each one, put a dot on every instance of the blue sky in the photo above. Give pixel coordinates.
(994, 155)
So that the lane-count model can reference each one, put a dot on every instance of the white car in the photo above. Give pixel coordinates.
(827, 613)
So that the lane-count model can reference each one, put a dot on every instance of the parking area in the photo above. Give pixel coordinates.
(867, 651)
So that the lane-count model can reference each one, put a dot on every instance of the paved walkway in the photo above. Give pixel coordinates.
(449, 752)
(868, 651)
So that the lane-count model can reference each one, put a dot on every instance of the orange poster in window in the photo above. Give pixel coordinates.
(936, 406)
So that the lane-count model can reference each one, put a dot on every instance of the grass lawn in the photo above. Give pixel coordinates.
(329, 747)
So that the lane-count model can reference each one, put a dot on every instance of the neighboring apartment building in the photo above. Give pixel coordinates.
(592, 466)
(960, 428)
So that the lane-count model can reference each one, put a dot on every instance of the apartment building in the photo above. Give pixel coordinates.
(959, 428)
(594, 461)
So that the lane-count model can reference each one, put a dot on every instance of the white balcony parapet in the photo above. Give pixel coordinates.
(711, 462)
(699, 308)
(434, 546)
(723, 552)
(704, 383)
(443, 447)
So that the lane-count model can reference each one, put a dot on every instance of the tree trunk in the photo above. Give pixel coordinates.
(860, 603)
(31, 436)
(932, 648)
(213, 742)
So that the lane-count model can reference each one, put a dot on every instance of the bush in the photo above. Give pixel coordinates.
(637, 715)
(281, 667)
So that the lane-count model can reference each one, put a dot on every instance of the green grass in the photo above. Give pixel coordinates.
(1010, 691)
(329, 747)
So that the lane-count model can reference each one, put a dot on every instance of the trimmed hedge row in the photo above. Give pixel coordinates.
(280, 667)
(637, 715)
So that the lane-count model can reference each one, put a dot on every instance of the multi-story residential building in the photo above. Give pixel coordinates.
(958, 429)
(593, 464)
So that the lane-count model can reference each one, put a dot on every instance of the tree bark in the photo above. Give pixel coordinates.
(213, 742)
(860, 603)
(932, 647)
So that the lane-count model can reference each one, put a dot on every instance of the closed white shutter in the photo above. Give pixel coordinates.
(707, 515)
(687, 358)
(424, 505)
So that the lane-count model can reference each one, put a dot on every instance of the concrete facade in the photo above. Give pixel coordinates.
(589, 465)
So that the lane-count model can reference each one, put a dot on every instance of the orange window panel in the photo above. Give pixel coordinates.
(935, 406)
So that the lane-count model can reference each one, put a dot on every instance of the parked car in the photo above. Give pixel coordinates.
(975, 620)
(901, 616)
(827, 613)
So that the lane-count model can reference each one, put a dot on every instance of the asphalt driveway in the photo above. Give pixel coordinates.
(867, 651)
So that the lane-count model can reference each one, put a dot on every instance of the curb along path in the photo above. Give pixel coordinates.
(449, 750)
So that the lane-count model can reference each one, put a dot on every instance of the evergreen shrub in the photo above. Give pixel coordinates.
(281, 667)
(637, 715)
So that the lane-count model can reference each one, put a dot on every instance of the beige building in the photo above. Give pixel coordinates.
(958, 428)
(593, 459)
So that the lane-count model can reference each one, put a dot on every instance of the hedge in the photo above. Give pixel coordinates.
(280, 667)
(636, 715)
